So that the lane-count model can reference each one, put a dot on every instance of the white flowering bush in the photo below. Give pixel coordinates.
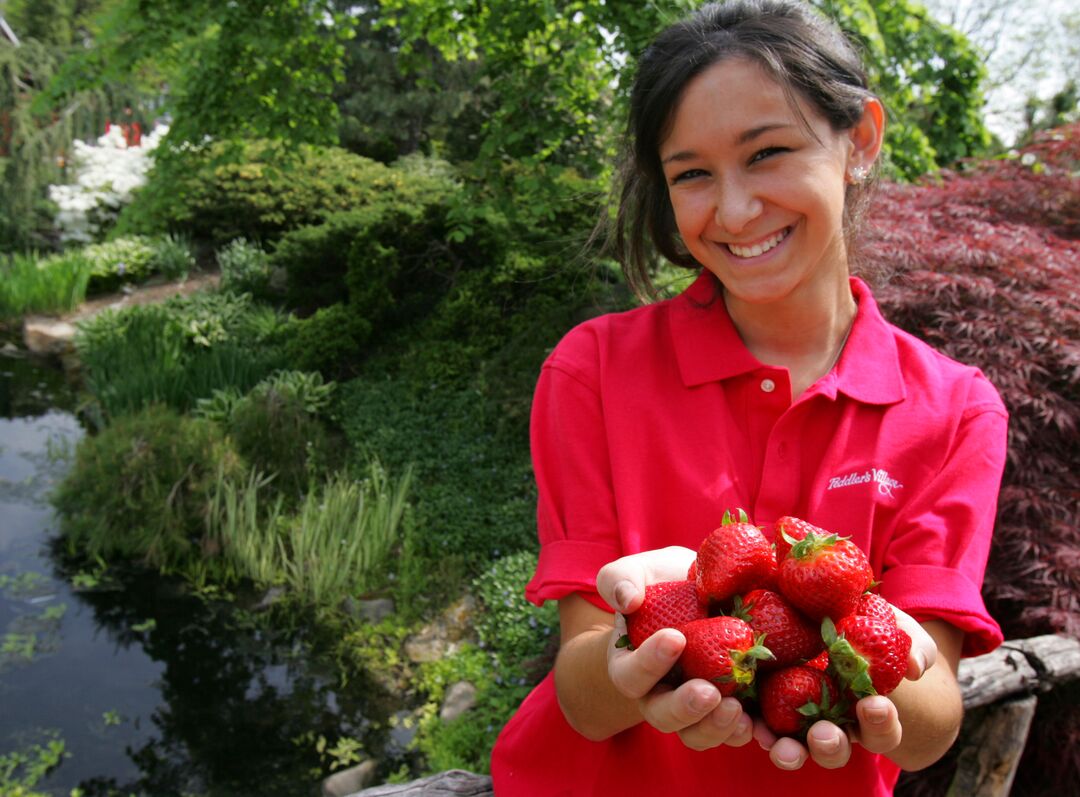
(106, 174)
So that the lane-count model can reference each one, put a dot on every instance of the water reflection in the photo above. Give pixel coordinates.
(153, 691)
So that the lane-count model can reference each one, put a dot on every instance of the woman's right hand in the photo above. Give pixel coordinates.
(695, 710)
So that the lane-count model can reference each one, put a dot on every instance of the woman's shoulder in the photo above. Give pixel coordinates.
(932, 376)
(626, 334)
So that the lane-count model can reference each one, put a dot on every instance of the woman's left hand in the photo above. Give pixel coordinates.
(878, 728)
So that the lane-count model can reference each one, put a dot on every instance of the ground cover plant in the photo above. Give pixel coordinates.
(984, 265)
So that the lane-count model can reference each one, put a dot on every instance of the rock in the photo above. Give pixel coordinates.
(48, 336)
(444, 636)
(403, 727)
(371, 611)
(460, 697)
(349, 781)
(269, 598)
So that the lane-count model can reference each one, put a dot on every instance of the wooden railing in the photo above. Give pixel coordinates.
(1004, 685)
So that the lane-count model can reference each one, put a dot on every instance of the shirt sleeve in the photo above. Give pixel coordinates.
(935, 562)
(576, 515)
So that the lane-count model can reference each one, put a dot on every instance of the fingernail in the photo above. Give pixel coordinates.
(726, 711)
(825, 740)
(624, 593)
(788, 760)
(668, 648)
(877, 715)
(701, 701)
(920, 660)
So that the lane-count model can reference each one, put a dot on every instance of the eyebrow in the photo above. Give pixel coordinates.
(743, 138)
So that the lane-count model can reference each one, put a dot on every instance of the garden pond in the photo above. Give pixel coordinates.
(149, 686)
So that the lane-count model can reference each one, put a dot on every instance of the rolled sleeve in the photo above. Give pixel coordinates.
(929, 592)
(576, 517)
(936, 560)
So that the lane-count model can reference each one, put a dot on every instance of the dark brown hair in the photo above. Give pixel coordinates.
(803, 51)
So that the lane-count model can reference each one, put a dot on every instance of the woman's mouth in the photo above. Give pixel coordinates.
(761, 247)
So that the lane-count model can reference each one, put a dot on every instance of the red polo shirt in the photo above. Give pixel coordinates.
(647, 425)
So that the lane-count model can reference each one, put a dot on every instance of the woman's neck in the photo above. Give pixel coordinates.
(804, 333)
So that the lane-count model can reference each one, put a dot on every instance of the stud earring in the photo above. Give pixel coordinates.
(856, 174)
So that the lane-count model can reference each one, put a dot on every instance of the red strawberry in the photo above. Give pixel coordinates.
(794, 698)
(734, 558)
(868, 654)
(790, 636)
(789, 529)
(820, 661)
(691, 573)
(722, 650)
(871, 604)
(824, 576)
(667, 604)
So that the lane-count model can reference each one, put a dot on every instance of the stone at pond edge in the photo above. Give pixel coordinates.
(444, 636)
(349, 781)
(460, 697)
(372, 611)
(48, 337)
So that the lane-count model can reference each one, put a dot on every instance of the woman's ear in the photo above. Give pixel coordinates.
(866, 137)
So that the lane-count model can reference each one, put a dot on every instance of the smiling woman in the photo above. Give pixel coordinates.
(773, 376)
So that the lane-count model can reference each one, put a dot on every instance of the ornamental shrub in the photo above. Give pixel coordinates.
(140, 489)
(260, 189)
(984, 267)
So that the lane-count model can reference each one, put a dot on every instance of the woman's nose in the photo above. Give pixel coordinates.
(736, 205)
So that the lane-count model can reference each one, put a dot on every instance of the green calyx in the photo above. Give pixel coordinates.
(852, 670)
(624, 642)
(744, 662)
(825, 710)
(811, 544)
(728, 519)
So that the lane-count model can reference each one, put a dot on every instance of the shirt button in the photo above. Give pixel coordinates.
(768, 385)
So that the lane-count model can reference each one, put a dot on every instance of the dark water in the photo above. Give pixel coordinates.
(153, 690)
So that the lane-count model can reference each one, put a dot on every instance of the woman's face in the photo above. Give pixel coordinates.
(758, 198)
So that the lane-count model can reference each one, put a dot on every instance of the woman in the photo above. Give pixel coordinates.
(772, 384)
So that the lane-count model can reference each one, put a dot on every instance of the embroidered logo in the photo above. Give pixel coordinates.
(885, 483)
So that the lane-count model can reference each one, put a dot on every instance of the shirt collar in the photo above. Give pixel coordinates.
(868, 369)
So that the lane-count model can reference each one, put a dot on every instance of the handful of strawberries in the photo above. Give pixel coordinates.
(790, 629)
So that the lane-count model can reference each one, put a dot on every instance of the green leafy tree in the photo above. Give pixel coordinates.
(242, 69)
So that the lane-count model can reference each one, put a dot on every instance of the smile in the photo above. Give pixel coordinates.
(759, 248)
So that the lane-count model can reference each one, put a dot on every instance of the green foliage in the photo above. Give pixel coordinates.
(51, 286)
(929, 77)
(335, 546)
(259, 189)
(276, 428)
(509, 625)
(173, 257)
(250, 68)
(517, 639)
(327, 340)
(21, 770)
(140, 489)
(126, 259)
(245, 268)
(175, 353)
(549, 68)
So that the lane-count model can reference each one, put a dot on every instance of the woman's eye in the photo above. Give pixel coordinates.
(768, 152)
(689, 174)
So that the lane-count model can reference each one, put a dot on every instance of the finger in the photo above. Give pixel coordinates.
(879, 724)
(829, 746)
(670, 710)
(763, 736)
(726, 724)
(923, 648)
(622, 583)
(787, 753)
(636, 672)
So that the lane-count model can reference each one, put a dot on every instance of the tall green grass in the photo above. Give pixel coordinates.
(48, 286)
(143, 356)
(336, 545)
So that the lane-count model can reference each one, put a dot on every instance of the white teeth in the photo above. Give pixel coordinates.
(758, 249)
